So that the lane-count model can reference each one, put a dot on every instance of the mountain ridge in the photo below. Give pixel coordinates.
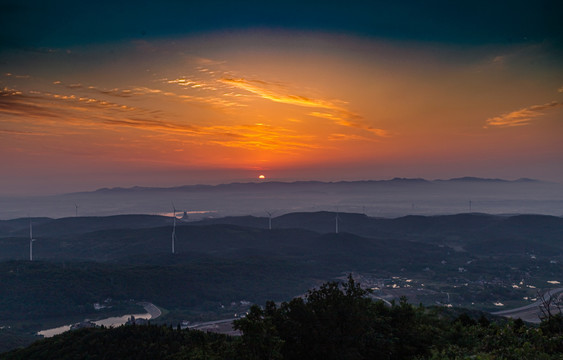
(243, 185)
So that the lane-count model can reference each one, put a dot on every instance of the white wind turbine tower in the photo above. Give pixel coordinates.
(336, 220)
(174, 229)
(270, 213)
(31, 240)
(76, 206)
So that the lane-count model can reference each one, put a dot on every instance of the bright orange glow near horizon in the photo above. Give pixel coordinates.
(214, 110)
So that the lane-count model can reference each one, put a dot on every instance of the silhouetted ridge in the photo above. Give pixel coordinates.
(241, 186)
(476, 179)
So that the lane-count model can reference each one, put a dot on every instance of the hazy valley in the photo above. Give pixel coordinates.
(380, 198)
(222, 265)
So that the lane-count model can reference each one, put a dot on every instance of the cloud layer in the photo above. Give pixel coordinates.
(522, 116)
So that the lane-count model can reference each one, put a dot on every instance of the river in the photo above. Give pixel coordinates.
(152, 312)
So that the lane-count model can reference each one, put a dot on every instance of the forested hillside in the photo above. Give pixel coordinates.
(335, 321)
(473, 261)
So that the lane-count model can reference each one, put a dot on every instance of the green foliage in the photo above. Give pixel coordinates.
(260, 339)
(335, 321)
(129, 342)
(14, 338)
(553, 325)
(340, 321)
(41, 290)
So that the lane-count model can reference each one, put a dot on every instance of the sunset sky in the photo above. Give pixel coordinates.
(171, 93)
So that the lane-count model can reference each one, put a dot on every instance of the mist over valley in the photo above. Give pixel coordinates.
(378, 198)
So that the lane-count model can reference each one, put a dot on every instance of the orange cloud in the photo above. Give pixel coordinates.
(522, 116)
(347, 137)
(60, 113)
(259, 136)
(268, 91)
(213, 101)
(191, 83)
(279, 93)
(25, 133)
(349, 123)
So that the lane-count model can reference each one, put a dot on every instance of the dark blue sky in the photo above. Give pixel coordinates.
(68, 23)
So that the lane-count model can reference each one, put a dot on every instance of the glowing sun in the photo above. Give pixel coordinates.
(261, 177)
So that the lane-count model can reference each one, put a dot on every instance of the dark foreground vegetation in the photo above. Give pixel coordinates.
(336, 321)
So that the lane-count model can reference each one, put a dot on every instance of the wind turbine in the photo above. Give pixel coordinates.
(31, 240)
(336, 220)
(174, 228)
(76, 206)
(270, 213)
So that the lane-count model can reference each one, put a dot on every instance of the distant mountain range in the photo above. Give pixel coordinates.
(281, 184)
(383, 198)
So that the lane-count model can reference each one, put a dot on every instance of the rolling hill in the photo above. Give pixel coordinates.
(476, 259)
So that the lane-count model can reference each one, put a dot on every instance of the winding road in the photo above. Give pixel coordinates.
(531, 313)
